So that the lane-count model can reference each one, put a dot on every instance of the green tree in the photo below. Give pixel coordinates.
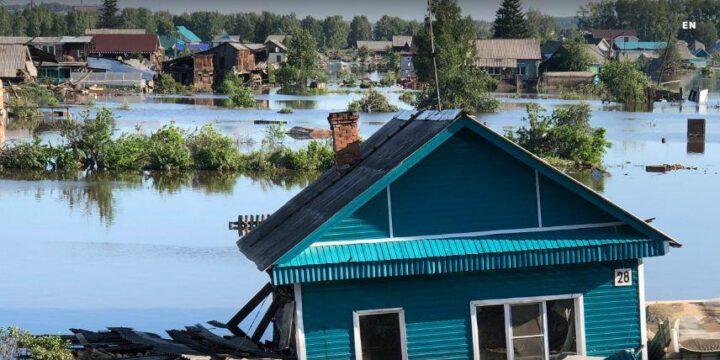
(542, 26)
(360, 29)
(565, 135)
(625, 82)
(164, 23)
(510, 22)
(302, 63)
(315, 28)
(387, 26)
(336, 32)
(670, 57)
(108, 14)
(572, 56)
(90, 137)
(461, 83)
(78, 21)
(706, 32)
(6, 22)
(243, 24)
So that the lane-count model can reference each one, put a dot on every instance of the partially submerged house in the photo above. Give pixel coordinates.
(64, 48)
(509, 58)
(16, 63)
(206, 68)
(439, 238)
(275, 48)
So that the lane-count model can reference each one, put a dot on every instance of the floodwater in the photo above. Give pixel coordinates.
(152, 251)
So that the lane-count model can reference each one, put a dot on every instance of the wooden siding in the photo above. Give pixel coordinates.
(437, 310)
(465, 185)
(562, 207)
(369, 222)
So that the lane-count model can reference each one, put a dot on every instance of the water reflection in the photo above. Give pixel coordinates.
(94, 193)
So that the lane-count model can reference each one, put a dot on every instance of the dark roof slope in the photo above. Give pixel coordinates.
(610, 34)
(317, 203)
(125, 43)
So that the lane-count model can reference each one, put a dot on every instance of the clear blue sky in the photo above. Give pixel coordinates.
(373, 9)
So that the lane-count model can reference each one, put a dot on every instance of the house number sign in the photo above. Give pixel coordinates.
(623, 277)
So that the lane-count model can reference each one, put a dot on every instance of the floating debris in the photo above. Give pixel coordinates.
(668, 167)
(268, 122)
(308, 133)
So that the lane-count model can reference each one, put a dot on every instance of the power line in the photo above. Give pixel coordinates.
(432, 49)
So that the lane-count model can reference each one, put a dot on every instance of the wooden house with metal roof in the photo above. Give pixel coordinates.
(437, 238)
(509, 58)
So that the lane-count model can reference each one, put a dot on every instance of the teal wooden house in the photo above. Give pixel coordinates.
(437, 238)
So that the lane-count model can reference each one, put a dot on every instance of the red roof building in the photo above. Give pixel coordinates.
(125, 44)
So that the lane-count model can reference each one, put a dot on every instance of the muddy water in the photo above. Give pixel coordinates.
(154, 252)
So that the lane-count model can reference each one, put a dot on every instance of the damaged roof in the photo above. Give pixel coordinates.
(385, 151)
(15, 61)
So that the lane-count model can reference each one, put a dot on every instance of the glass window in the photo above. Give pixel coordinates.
(543, 330)
(528, 331)
(561, 328)
(521, 70)
(491, 332)
(380, 337)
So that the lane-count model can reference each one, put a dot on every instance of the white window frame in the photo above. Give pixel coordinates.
(356, 328)
(579, 320)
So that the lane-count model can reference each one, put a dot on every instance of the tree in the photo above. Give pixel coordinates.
(510, 22)
(164, 23)
(108, 14)
(572, 56)
(360, 29)
(565, 135)
(706, 33)
(624, 81)
(302, 63)
(461, 83)
(315, 28)
(388, 26)
(78, 21)
(541, 26)
(336, 32)
(670, 57)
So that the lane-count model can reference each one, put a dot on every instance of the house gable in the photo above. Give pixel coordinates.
(465, 189)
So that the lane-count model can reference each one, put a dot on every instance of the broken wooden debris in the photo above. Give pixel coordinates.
(269, 122)
(668, 167)
(246, 223)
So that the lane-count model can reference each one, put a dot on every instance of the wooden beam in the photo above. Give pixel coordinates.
(234, 322)
(265, 321)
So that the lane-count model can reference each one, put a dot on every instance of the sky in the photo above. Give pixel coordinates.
(373, 9)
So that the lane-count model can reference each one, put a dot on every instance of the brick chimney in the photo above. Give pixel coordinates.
(346, 139)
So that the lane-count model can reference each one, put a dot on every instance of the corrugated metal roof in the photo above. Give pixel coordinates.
(14, 60)
(15, 39)
(374, 45)
(115, 31)
(424, 257)
(75, 39)
(46, 40)
(640, 45)
(610, 34)
(516, 49)
(278, 39)
(125, 43)
(187, 34)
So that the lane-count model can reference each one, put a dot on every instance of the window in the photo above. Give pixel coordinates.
(380, 334)
(278, 58)
(527, 329)
(521, 70)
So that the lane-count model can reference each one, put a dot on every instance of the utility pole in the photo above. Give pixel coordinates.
(432, 49)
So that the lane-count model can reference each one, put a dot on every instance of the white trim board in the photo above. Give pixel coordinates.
(300, 329)
(468, 234)
(356, 329)
(537, 195)
(643, 315)
(579, 320)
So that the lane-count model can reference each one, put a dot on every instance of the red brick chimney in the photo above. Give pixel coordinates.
(346, 138)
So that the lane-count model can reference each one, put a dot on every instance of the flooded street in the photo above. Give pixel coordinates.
(153, 251)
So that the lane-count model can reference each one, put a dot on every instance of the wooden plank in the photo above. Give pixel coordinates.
(233, 324)
(265, 321)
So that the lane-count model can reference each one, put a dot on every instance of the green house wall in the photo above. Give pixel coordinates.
(437, 308)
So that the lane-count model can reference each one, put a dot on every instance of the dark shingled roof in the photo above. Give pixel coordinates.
(332, 191)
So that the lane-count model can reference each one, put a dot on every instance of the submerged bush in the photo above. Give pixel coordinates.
(212, 150)
(566, 134)
(167, 149)
(624, 81)
(372, 101)
(128, 152)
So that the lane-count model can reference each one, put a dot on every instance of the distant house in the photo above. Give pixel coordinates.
(127, 46)
(375, 46)
(632, 50)
(509, 58)
(206, 69)
(601, 43)
(223, 38)
(185, 40)
(616, 35)
(186, 35)
(549, 48)
(402, 43)
(65, 48)
(16, 63)
(103, 31)
(276, 50)
(438, 238)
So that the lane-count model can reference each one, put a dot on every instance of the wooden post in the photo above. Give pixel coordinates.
(3, 114)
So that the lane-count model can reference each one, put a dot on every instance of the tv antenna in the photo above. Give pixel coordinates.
(432, 49)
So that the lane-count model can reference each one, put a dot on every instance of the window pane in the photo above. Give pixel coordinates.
(491, 332)
(380, 337)
(531, 348)
(561, 328)
(526, 319)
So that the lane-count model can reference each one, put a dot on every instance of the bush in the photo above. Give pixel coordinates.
(230, 83)
(90, 137)
(624, 81)
(566, 134)
(242, 97)
(13, 341)
(128, 152)
(168, 150)
(465, 90)
(372, 101)
(211, 150)
(407, 97)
